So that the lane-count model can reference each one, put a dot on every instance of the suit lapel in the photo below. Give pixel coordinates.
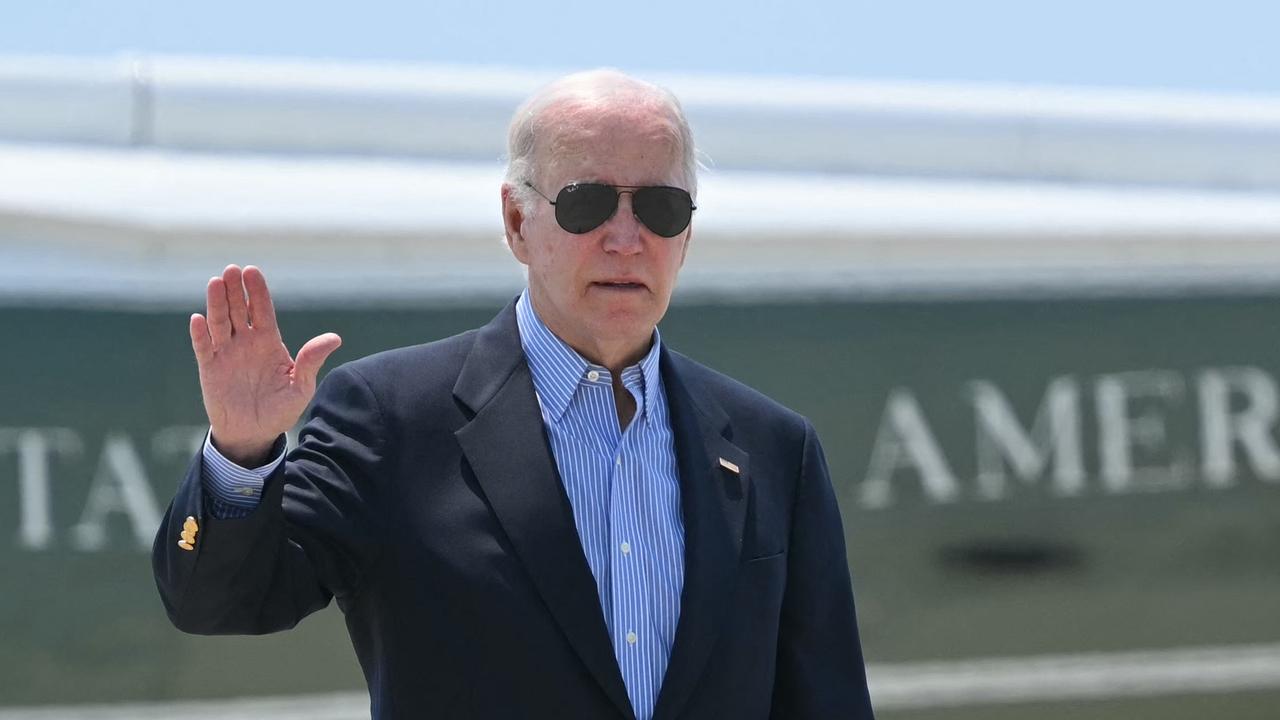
(714, 505)
(507, 448)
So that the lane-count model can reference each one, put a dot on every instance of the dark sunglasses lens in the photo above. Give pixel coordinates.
(584, 207)
(664, 210)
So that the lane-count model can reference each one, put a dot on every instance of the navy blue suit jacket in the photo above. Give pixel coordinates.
(423, 496)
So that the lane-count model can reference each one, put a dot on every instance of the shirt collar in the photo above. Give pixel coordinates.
(558, 370)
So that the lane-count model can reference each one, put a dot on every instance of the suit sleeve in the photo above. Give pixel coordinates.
(312, 537)
(820, 671)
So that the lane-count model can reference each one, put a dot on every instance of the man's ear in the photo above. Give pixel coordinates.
(513, 218)
(688, 238)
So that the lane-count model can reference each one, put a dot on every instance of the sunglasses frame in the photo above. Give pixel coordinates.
(618, 190)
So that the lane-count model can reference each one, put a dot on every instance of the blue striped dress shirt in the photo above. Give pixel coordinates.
(622, 484)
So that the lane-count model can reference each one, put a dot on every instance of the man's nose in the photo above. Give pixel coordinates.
(622, 231)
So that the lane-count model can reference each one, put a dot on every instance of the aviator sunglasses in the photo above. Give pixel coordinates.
(583, 207)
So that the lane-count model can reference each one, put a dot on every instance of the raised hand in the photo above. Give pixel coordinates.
(253, 388)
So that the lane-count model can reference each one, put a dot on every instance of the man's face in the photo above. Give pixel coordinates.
(610, 286)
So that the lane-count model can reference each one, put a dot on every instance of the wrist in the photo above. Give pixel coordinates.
(246, 454)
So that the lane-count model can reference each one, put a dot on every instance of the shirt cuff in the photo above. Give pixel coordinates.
(229, 485)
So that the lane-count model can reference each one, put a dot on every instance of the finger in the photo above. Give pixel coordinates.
(201, 343)
(235, 298)
(216, 311)
(313, 354)
(262, 312)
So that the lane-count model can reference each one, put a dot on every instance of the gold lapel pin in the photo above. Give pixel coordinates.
(729, 466)
(189, 530)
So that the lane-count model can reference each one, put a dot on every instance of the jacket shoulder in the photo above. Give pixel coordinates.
(741, 402)
(414, 366)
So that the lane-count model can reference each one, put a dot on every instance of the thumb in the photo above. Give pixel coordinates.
(313, 354)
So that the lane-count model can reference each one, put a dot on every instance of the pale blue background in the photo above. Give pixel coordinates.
(1228, 45)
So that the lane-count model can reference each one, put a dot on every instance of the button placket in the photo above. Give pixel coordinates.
(629, 616)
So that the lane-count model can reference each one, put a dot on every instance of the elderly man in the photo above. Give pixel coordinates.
(552, 516)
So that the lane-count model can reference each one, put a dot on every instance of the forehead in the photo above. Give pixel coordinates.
(618, 143)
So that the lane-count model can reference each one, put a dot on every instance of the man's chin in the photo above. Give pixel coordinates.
(620, 324)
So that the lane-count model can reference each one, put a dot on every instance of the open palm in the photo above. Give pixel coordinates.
(253, 388)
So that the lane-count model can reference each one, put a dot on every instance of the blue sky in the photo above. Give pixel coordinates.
(1230, 45)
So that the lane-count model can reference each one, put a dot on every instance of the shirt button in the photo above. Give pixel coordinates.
(631, 638)
(593, 376)
(626, 548)
(618, 459)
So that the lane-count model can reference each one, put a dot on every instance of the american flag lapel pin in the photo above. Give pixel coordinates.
(729, 466)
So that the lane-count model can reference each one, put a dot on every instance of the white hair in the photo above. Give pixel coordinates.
(590, 88)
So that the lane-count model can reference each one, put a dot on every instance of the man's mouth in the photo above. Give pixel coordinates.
(620, 285)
